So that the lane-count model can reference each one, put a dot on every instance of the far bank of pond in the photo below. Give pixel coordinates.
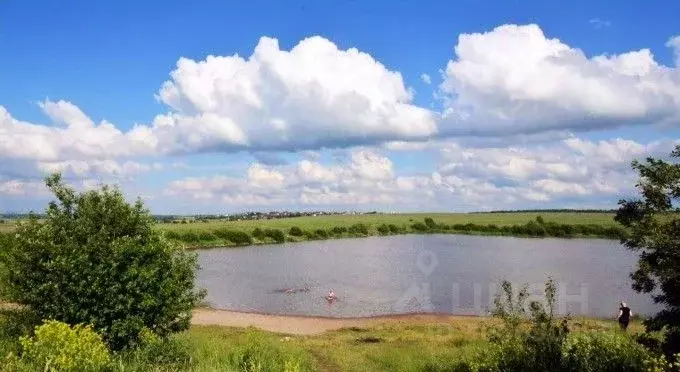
(225, 234)
(437, 273)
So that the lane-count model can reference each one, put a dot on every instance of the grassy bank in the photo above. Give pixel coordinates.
(240, 233)
(213, 233)
(405, 346)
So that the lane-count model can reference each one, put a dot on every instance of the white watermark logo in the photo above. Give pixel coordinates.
(417, 297)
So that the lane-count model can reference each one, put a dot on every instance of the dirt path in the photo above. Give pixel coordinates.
(307, 325)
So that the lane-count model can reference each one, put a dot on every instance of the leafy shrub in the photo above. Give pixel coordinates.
(419, 226)
(394, 228)
(339, 230)
(540, 220)
(358, 229)
(206, 236)
(236, 237)
(660, 363)
(383, 229)
(539, 349)
(429, 222)
(603, 351)
(190, 237)
(275, 234)
(173, 235)
(63, 348)
(152, 352)
(295, 231)
(321, 234)
(259, 234)
(534, 229)
(93, 258)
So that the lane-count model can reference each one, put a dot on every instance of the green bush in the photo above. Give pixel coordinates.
(534, 229)
(93, 258)
(321, 234)
(206, 236)
(539, 348)
(419, 226)
(153, 352)
(339, 230)
(236, 237)
(394, 228)
(358, 229)
(259, 234)
(173, 235)
(429, 222)
(295, 231)
(56, 346)
(383, 229)
(275, 234)
(603, 351)
(190, 237)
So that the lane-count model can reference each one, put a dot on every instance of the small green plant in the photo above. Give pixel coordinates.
(58, 347)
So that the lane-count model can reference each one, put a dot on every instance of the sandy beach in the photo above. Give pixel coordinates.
(307, 325)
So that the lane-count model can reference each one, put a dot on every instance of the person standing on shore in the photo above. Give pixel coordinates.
(624, 315)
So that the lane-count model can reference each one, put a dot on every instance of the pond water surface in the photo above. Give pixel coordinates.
(454, 274)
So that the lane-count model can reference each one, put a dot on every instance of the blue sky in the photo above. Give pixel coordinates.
(544, 103)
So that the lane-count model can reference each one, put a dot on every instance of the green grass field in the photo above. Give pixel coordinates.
(405, 346)
(325, 222)
(209, 233)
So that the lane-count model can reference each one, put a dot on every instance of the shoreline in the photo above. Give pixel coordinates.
(313, 324)
(308, 325)
(225, 244)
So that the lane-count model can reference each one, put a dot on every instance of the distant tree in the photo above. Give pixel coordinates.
(96, 259)
(654, 231)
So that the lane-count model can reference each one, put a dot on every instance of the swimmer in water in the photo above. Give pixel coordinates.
(331, 296)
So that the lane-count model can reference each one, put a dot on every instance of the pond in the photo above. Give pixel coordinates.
(454, 274)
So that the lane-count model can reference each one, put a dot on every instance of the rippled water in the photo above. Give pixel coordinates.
(455, 274)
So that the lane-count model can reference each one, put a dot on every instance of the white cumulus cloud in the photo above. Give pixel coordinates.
(315, 95)
(514, 79)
